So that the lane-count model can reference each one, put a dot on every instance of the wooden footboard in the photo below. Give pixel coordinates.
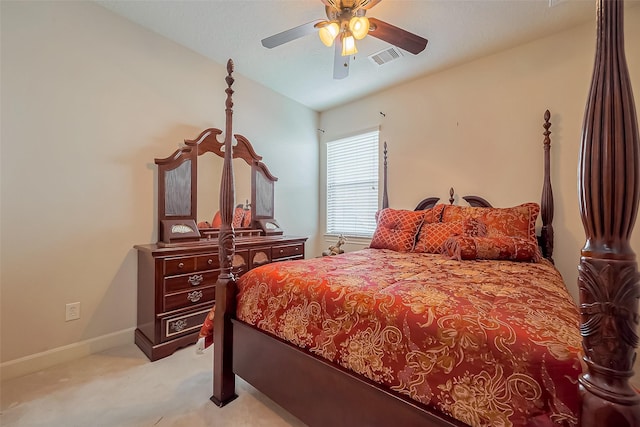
(320, 393)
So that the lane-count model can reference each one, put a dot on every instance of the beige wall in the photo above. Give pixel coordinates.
(478, 128)
(88, 101)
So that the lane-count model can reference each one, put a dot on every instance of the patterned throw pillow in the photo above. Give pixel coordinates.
(396, 229)
(497, 247)
(246, 220)
(216, 222)
(238, 215)
(432, 236)
(238, 218)
(518, 221)
(434, 214)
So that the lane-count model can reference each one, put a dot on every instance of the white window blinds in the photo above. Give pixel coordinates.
(352, 185)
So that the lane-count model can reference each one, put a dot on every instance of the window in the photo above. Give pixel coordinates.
(352, 185)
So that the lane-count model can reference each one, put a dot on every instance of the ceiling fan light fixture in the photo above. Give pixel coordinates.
(328, 33)
(359, 26)
(348, 45)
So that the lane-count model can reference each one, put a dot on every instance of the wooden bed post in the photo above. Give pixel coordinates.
(223, 376)
(546, 204)
(608, 273)
(385, 196)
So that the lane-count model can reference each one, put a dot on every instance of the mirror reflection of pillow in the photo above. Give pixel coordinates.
(246, 220)
(216, 222)
(238, 215)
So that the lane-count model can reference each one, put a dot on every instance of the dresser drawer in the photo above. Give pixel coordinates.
(259, 256)
(182, 265)
(173, 327)
(240, 264)
(189, 298)
(207, 262)
(287, 251)
(190, 281)
(177, 285)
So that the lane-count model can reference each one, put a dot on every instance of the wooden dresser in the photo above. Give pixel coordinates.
(176, 286)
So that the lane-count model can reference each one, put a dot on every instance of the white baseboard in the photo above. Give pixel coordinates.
(36, 362)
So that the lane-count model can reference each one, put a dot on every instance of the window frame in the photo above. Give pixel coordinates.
(350, 149)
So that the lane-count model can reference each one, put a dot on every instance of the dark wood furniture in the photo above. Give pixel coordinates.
(177, 276)
(176, 286)
(178, 189)
(316, 391)
(321, 394)
(609, 190)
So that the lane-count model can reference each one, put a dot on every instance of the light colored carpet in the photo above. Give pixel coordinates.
(120, 387)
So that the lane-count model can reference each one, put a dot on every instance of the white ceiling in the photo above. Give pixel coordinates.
(458, 31)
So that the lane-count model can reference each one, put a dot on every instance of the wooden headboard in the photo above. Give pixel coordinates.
(545, 239)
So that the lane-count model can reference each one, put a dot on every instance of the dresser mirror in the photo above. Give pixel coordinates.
(189, 186)
(209, 173)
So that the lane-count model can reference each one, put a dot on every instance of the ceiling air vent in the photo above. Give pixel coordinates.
(386, 56)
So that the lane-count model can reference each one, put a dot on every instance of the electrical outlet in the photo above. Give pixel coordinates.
(72, 311)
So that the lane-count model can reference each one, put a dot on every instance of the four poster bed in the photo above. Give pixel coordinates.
(484, 334)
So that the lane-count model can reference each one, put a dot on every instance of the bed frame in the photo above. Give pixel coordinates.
(321, 394)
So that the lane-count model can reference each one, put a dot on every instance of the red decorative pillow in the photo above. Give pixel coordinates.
(518, 221)
(216, 222)
(238, 215)
(396, 229)
(433, 214)
(238, 218)
(432, 236)
(497, 247)
(246, 220)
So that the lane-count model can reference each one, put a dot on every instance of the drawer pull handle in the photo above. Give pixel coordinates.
(181, 265)
(281, 251)
(196, 279)
(194, 296)
(210, 261)
(178, 325)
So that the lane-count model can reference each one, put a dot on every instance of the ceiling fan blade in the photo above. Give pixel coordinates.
(340, 63)
(335, 4)
(369, 3)
(396, 36)
(350, 4)
(291, 34)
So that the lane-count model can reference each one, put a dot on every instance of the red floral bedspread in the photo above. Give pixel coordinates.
(491, 343)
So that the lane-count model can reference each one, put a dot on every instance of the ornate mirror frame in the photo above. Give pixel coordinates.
(178, 188)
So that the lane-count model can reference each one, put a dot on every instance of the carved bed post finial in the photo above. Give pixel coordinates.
(385, 197)
(227, 186)
(223, 376)
(451, 193)
(608, 273)
(546, 204)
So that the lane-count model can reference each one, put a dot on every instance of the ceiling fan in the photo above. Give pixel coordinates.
(347, 23)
